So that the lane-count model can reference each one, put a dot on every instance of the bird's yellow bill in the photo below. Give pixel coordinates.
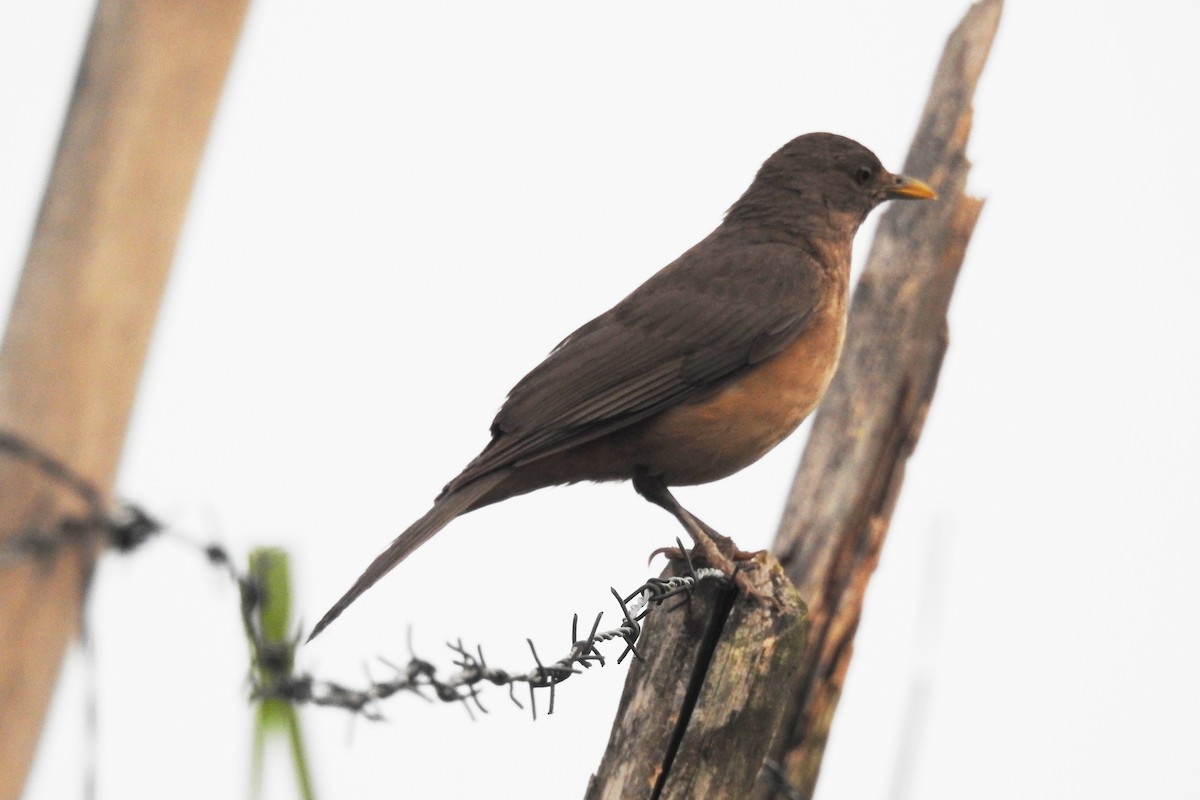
(912, 189)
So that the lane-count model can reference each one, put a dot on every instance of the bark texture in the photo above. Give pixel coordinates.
(844, 493)
(697, 716)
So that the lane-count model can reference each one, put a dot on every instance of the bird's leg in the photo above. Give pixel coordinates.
(724, 543)
(719, 551)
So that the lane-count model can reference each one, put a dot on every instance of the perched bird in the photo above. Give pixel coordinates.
(702, 369)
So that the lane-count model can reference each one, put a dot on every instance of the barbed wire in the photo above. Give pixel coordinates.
(473, 669)
(126, 526)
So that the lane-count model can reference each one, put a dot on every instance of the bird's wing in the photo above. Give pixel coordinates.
(695, 325)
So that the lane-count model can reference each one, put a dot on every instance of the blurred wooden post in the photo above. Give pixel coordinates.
(868, 424)
(85, 308)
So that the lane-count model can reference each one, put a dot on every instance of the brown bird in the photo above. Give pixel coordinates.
(702, 369)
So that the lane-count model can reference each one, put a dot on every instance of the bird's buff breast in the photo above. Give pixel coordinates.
(725, 432)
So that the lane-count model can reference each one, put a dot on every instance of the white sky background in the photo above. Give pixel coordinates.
(402, 208)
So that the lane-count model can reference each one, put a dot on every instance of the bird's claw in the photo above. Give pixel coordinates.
(671, 554)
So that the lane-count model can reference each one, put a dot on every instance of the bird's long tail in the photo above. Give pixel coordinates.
(445, 509)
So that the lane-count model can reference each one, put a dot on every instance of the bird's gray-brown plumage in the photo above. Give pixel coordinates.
(703, 368)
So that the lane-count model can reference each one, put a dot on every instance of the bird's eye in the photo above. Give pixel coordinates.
(863, 175)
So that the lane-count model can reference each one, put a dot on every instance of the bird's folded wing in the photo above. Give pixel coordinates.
(679, 337)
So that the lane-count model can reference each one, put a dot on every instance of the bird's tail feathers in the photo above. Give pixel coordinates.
(445, 509)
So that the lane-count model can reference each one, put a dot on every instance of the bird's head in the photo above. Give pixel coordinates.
(826, 179)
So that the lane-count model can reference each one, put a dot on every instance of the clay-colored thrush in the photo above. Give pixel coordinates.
(702, 369)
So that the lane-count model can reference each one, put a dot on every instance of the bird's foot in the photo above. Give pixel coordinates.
(721, 554)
